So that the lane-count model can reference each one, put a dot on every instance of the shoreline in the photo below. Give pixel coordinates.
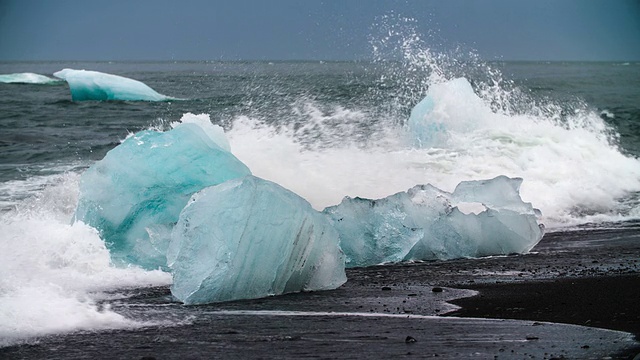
(583, 277)
(608, 302)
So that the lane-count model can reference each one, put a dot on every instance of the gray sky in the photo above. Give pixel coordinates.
(322, 30)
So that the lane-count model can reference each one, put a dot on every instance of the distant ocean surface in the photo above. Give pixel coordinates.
(330, 129)
(324, 130)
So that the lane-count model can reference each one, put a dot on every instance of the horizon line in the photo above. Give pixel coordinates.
(291, 60)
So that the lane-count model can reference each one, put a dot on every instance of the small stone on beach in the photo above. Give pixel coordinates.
(410, 340)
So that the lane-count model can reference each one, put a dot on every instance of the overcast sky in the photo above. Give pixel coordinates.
(305, 29)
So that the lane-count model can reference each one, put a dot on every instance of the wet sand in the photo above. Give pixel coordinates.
(611, 302)
(584, 279)
(588, 278)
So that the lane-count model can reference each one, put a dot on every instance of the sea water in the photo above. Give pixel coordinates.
(324, 130)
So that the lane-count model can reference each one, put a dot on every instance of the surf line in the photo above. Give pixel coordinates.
(450, 319)
(321, 313)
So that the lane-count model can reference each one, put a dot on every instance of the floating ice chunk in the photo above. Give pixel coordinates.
(425, 223)
(94, 85)
(251, 238)
(27, 78)
(448, 106)
(135, 194)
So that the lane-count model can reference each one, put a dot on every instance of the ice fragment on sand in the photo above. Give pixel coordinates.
(426, 223)
(135, 194)
(94, 85)
(251, 238)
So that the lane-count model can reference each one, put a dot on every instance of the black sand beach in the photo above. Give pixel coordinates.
(606, 302)
(591, 282)
(586, 278)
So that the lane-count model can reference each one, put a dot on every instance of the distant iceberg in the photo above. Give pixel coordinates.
(479, 218)
(251, 238)
(28, 78)
(134, 196)
(94, 85)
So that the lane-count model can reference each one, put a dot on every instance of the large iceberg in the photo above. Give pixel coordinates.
(479, 218)
(94, 85)
(251, 238)
(27, 78)
(134, 196)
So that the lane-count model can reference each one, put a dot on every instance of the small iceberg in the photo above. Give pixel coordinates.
(28, 78)
(134, 195)
(448, 106)
(251, 238)
(94, 85)
(480, 218)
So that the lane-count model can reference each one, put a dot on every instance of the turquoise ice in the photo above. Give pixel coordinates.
(479, 218)
(251, 238)
(94, 85)
(134, 196)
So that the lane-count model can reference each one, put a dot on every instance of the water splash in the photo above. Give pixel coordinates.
(573, 169)
(68, 265)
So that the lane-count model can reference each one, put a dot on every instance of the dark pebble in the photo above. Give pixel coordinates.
(410, 340)
(437, 289)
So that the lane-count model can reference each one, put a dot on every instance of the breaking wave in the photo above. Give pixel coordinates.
(573, 169)
(58, 271)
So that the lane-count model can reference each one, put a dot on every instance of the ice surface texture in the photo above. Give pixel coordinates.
(251, 238)
(425, 223)
(27, 78)
(94, 85)
(135, 194)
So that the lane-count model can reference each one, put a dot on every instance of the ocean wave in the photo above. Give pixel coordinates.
(58, 270)
(574, 171)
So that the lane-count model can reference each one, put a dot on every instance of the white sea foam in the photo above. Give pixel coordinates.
(572, 169)
(52, 272)
(571, 174)
(27, 78)
(608, 114)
